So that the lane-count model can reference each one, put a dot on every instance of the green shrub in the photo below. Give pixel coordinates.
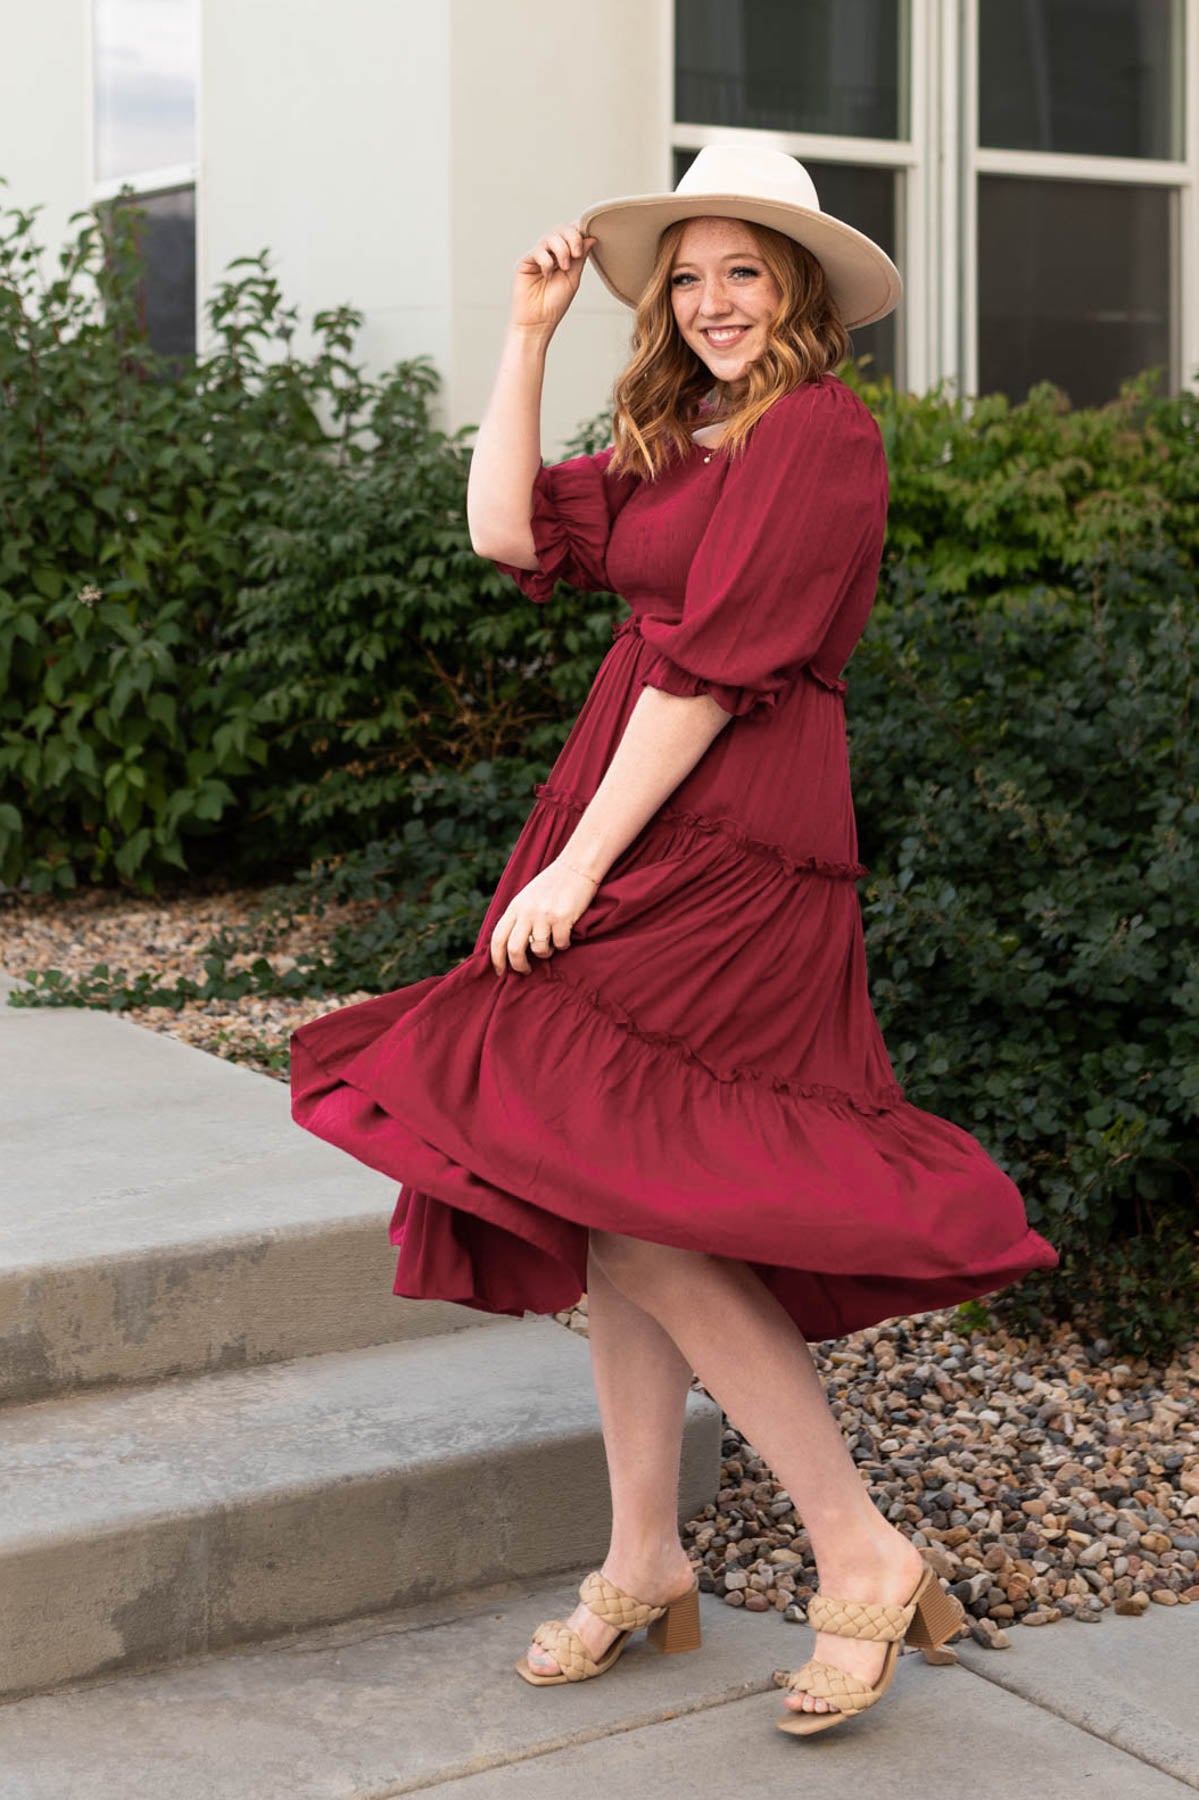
(1025, 777)
(380, 647)
(125, 483)
(1000, 496)
(238, 605)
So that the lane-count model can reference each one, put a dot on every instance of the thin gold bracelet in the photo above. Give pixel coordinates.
(582, 872)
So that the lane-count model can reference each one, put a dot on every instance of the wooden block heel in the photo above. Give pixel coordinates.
(937, 1617)
(678, 1627)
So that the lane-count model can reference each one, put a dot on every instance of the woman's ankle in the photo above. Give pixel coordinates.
(639, 1552)
(875, 1545)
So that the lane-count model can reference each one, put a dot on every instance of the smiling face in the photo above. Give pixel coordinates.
(723, 296)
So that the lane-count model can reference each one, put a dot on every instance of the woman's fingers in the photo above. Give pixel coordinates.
(517, 937)
(539, 298)
(559, 249)
(567, 247)
(540, 919)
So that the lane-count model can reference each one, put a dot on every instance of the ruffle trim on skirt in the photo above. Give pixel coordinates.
(704, 825)
(883, 1100)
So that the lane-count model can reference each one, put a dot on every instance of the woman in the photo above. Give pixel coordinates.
(658, 1076)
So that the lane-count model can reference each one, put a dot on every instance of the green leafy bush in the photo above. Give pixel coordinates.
(238, 603)
(124, 484)
(380, 647)
(1025, 774)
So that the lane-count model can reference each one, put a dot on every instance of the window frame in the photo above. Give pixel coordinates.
(1180, 176)
(936, 172)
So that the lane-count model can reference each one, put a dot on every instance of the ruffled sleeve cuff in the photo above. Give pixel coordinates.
(741, 702)
(569, 523)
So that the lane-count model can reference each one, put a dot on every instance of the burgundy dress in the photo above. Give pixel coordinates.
(702, 1066)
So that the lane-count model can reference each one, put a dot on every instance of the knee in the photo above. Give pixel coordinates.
(621, 1258)
(636, 1265)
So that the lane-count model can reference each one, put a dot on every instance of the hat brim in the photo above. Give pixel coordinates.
(864, 282)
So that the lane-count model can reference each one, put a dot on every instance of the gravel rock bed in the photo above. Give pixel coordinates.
(1045, 1479)
(167, 936)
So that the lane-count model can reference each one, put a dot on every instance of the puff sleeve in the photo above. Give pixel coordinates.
(800, 518)
(574, 505)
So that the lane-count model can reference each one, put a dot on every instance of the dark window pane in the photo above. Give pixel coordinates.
(167, 236)
(1089, 77)
(865, 199)
(1073, 285)
(789, 65)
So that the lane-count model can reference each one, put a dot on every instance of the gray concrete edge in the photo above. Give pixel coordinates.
(1119, 1720)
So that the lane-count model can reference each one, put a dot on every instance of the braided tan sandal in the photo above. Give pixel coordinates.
(672, 1626)
(928, 1619)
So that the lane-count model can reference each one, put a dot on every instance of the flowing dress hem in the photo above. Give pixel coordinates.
(498, 1219)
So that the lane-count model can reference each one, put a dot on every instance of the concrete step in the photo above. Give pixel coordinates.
(162, 1214)
(428, 1701)
(143, 1525)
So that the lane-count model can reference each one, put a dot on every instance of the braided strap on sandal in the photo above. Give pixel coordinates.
(867, 1620)
(925, 1621)
(607, 1602)
(567, 1649)
(613, 1605)
(825, 1682)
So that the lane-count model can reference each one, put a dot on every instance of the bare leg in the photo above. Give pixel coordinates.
(752, 1359)
(641, 1383)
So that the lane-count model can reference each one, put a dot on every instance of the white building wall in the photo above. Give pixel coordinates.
(403, 158)
(555, 104)
(45, 119)
(394, 157)
(325, 138)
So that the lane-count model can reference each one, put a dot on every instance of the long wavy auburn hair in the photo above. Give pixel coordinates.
(656, 400)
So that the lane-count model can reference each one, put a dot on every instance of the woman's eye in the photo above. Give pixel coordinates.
(741, 269)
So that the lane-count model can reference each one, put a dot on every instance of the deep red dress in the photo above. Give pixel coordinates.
(702, 1066)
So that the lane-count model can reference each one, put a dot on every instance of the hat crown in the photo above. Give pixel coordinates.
(750, 171)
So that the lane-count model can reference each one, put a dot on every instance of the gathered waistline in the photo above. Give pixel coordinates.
(631, 626)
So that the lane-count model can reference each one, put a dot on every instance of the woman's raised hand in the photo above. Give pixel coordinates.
(547, 279)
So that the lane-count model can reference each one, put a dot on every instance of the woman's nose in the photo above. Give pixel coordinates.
(714, 303)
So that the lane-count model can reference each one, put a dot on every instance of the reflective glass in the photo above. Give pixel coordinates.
(1073, 285)
(146, 53)
(1090, 77)
(167, 234)
(865, 199)
(790, 65)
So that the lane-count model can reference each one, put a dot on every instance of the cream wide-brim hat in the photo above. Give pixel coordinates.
(743, 181)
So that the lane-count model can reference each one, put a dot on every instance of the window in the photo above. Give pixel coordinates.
(145, 57)
(1073, 285)
(822, 79)
(781, 65)
(1091, 77)
(1076, 192)
(1025, 163)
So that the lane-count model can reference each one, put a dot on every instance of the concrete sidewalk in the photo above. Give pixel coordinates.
(430, 1700)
